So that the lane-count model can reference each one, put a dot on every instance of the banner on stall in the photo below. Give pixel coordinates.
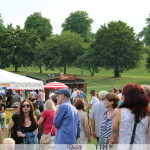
(2, 90)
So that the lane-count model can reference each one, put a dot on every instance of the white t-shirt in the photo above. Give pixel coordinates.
(120, 96)
(73, 94)
(94, 100)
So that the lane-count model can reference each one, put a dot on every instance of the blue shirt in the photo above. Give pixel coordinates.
(67, 123)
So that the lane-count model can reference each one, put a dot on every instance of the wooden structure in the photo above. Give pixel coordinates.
(70, 80)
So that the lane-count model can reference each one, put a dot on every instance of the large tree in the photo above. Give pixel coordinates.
(18, 44)
(63, 50)
(118, 47)
(42, 25)
(1, 24)
(145, 33)
(3, 51)
(88, 61)
(79, 22)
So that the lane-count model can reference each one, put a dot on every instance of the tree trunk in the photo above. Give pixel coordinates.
(40, 68)
(116, 72)
(65, 68)
(92, 72)
(16, 68)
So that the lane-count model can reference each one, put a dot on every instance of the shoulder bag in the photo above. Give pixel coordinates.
(45, 138)
(133, 135)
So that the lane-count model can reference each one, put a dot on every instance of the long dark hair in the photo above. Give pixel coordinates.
(135, 100)
(31, 113)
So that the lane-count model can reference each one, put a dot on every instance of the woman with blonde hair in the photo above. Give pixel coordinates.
(8, 144)
(46, 119)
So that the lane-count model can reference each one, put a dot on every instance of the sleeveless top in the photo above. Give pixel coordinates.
(82, 137)
(126, 128)
(106, 126)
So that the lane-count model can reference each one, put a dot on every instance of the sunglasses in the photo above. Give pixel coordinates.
(25, 105)
(15, 106)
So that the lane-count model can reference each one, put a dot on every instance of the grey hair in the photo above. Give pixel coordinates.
(102, 94)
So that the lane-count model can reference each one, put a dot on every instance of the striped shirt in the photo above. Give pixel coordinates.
(106, 126)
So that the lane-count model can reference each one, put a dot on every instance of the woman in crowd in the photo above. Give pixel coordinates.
(23, 125)
(85, 130)
(2, 113)
(8, 144)
(46, 119)
(146, 89)
(134, 109)
(110, 102)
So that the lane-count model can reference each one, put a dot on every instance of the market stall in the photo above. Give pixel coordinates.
(9, 80)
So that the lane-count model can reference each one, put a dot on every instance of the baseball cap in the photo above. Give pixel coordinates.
(16, 104)
(92, 92)
(66, 92)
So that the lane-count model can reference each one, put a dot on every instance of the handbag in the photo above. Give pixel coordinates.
(133, 135)
(45, 138)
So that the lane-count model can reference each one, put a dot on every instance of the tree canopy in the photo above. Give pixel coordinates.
(42, 25)
(118, 47)
(146, 32)
(88, 61)
(63, 50)
(79, 22)
(17, 46)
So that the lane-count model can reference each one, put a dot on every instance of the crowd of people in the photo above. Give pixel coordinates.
(112, 117)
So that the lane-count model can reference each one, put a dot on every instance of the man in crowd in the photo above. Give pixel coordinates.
(67, 120)
(97, 114)
(16, 107)
(16, 98)
(78, 95)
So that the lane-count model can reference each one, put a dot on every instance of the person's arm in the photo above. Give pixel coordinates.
(87, 129)
(88, 106)
(78, 127)
(20, 134)
(1, 134)
(10, 126)
(115, 127)
(93, 127)
(36, 131)
(93, 121)
(59, 116)
(40, 120)
(148, 130)
(2, 109)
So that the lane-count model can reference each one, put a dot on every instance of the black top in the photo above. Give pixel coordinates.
(18, 127)
(9, 101)
(32, 100)
(2, 105)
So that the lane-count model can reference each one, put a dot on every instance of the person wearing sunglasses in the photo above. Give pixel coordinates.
(24, 124)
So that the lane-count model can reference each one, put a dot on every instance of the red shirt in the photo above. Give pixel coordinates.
(48, 116)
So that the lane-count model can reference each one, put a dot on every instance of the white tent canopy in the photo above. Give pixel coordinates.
(14, 81)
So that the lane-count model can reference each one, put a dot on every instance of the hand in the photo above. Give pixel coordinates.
(94, 134)
(89, 140)
(20, 134)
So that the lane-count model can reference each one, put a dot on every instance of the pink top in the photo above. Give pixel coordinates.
(48, 116)
(40, 97)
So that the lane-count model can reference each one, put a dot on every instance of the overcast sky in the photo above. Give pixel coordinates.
(133, 12)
